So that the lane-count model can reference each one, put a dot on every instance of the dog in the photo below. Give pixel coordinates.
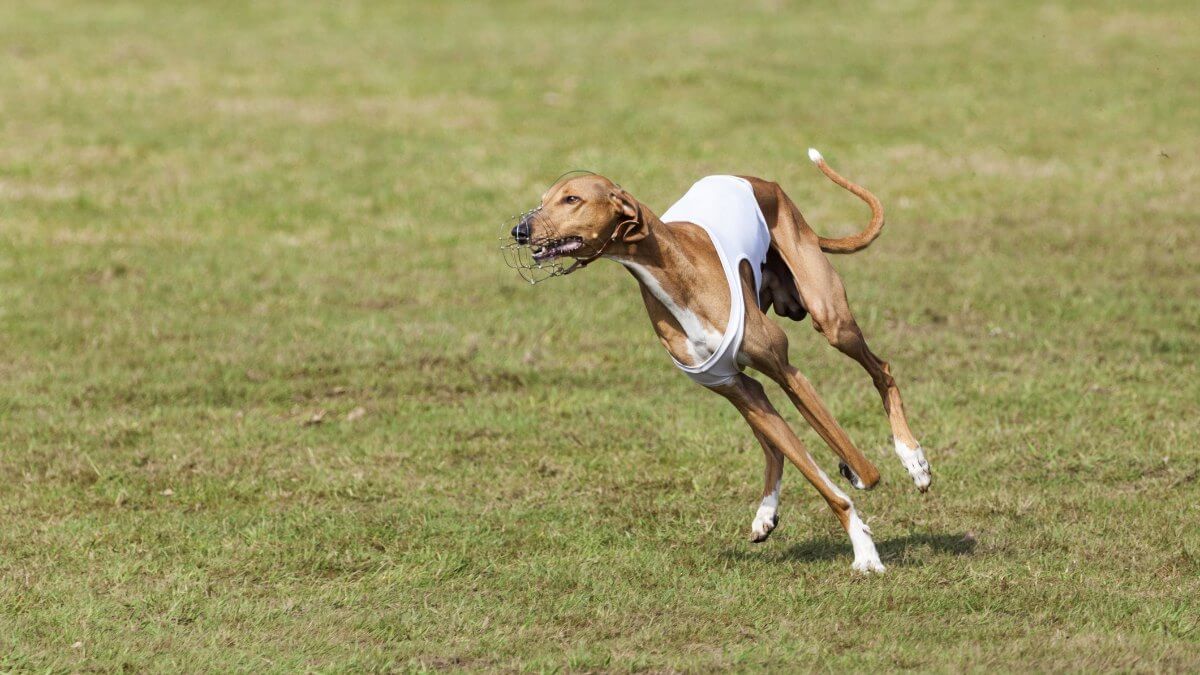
(709, 270)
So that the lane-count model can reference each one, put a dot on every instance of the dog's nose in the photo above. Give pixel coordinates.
(521, 231)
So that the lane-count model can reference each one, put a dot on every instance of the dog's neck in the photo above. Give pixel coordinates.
(660, 252)
(682, 283)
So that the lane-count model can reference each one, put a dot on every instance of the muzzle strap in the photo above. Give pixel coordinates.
(618, 232)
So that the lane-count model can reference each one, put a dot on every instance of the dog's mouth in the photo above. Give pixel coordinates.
(553, 248)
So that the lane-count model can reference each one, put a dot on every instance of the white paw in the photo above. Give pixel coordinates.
(767, 516)
(762, 526)
(914, 462)
(868, 565)
(866, 558)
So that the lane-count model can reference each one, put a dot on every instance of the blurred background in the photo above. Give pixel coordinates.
(273, 401)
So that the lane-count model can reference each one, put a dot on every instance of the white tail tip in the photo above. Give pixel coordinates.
(815, 156)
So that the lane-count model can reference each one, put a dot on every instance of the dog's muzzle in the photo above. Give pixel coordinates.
(537, 259)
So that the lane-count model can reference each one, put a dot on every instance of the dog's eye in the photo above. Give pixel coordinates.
(571, 199)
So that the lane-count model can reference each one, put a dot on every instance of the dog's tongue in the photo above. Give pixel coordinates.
(557, 250)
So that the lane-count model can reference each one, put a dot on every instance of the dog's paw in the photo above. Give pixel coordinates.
(764, 524)
(866, 558)
(848, 474)
(868, 565)
(914, 462)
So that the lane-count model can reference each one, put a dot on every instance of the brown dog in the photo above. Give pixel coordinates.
(685, 290)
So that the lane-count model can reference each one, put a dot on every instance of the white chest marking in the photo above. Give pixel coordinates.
(702, 339)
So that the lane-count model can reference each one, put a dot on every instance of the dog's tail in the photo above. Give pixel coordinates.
(863, 239)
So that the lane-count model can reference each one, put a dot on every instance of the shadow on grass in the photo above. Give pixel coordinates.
(901, 551)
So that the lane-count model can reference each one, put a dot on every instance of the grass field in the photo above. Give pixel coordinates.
(272, 402)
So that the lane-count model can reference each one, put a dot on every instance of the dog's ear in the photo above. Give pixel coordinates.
(633, 229)
(624, 203)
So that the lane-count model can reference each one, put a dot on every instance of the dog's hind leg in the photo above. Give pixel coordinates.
(766, 348)
(824, 296)
(857, 469)
(748, 397)
(837, 324)
(767, 516)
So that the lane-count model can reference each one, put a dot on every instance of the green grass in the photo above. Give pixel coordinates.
(219, 223)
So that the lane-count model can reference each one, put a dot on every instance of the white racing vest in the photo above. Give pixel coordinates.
(725, 207)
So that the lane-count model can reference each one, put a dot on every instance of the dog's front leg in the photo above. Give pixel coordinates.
(767, 516)
(748, 397)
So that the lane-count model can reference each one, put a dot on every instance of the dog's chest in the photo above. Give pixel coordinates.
(702, 338)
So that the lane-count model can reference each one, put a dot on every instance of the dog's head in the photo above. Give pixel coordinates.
(580, 217)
